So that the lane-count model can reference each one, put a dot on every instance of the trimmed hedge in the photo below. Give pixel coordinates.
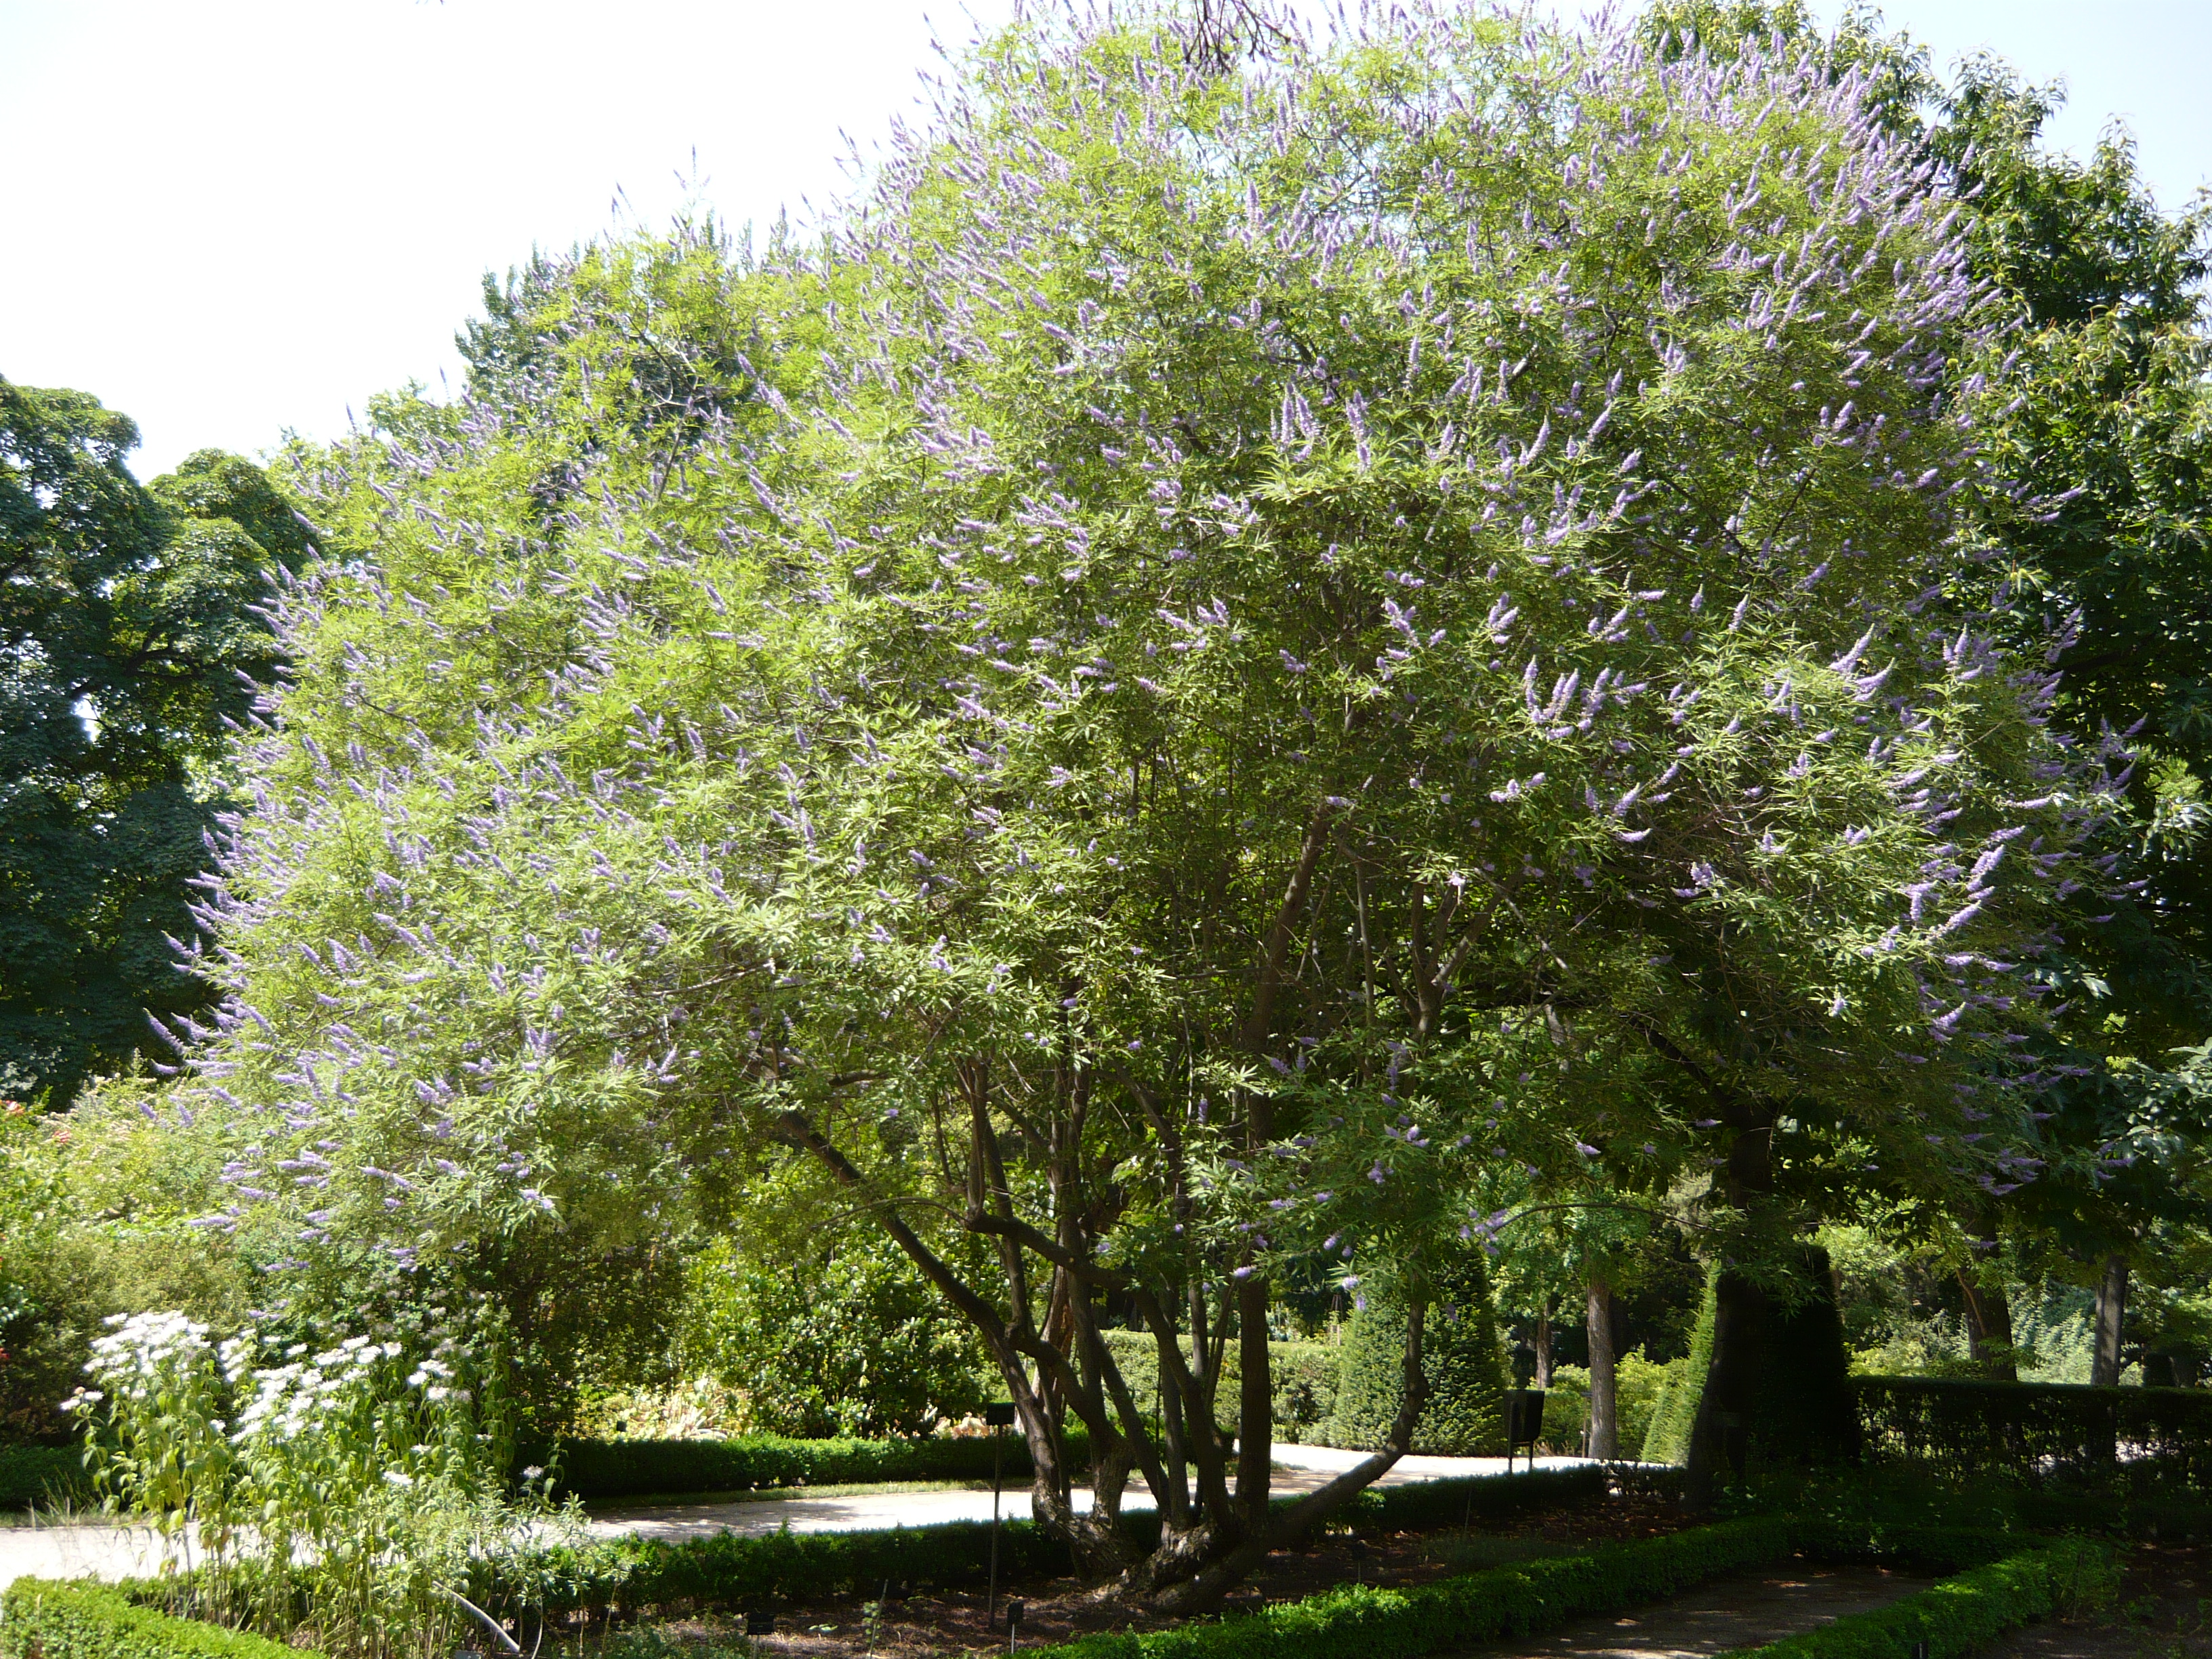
(734, 1572)
(1966, 1614)
(1430, 1504)
(731, 1572)
(1464, 1362)
(79, 1618)
(42, 1475)
(595, 1469)
(1360, 1622)
(1668, 1439)
(1968, 1427)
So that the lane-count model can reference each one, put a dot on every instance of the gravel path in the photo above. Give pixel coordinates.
(76, 1551)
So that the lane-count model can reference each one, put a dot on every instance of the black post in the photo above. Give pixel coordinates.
(998, 1416)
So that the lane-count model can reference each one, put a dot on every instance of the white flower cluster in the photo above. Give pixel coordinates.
(138, 1352)
(297, 1398)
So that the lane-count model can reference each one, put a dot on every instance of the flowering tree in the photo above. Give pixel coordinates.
(1244, 646)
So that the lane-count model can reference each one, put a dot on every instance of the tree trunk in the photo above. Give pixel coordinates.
(1989, 1326)
(1544, 1345)
(2112, 1319)
(1604, 1434)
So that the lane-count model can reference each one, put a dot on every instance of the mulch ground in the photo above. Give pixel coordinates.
(927, 1625)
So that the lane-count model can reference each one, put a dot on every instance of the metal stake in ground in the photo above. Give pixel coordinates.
(999, 1418)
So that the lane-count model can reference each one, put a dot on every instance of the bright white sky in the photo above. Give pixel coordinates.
(234, 217)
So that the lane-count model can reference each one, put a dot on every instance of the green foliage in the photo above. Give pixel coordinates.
(728, 1570)
(1302, 1376)
(1963, 1615)
(126, 620)
(1805, 1412)
(1463, 1360)
(42, 1476)
(52, 1282)
(339, 1488)
(1675, 1412)
(1487, 1498)
(42, 1618)
(1966, 1427)
(844, 1338)
(1639, 1384)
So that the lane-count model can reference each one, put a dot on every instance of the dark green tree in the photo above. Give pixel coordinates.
(127, 616)
(1462, 1358)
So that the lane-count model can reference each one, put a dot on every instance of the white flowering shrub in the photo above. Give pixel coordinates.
(358, 1488)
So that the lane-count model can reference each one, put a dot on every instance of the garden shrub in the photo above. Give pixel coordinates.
(1303, 1376)
(1464, 1361)
(1999, 1590)
(1969, 1427)
(728, 1570)
(1566, 1411)
(1803, 1410)
(1676, 1413)
(42, 1475)
(849, 1341)
(50, 1618)
(1427, 1504)
(1639, 1382)
(1361, 1622)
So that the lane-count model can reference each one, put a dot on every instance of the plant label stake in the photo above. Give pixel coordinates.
(999, 1416)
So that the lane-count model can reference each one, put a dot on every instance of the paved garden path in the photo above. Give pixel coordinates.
(110, 1552)
(1298, 1468)
(1744, 1610)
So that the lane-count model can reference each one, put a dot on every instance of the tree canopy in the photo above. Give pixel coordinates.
(1254, 648)
(128, 614)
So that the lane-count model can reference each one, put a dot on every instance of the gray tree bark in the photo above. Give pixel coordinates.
(2112, 1320)
(1604, 1394)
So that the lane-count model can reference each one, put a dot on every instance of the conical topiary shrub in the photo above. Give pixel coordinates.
(1463, 1360)
(1668, 1440)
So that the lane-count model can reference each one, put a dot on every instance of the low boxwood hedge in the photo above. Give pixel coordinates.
(1963, 1613)
(2033, 1431)
(81, 1618)
(1356, 1622)
(732, 1571)
(1425, 1505)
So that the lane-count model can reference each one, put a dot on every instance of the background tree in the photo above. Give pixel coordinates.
(128, 614)
(2105, 406)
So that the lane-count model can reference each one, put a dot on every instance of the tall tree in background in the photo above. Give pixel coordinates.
(2104, 405)
(126, 620)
